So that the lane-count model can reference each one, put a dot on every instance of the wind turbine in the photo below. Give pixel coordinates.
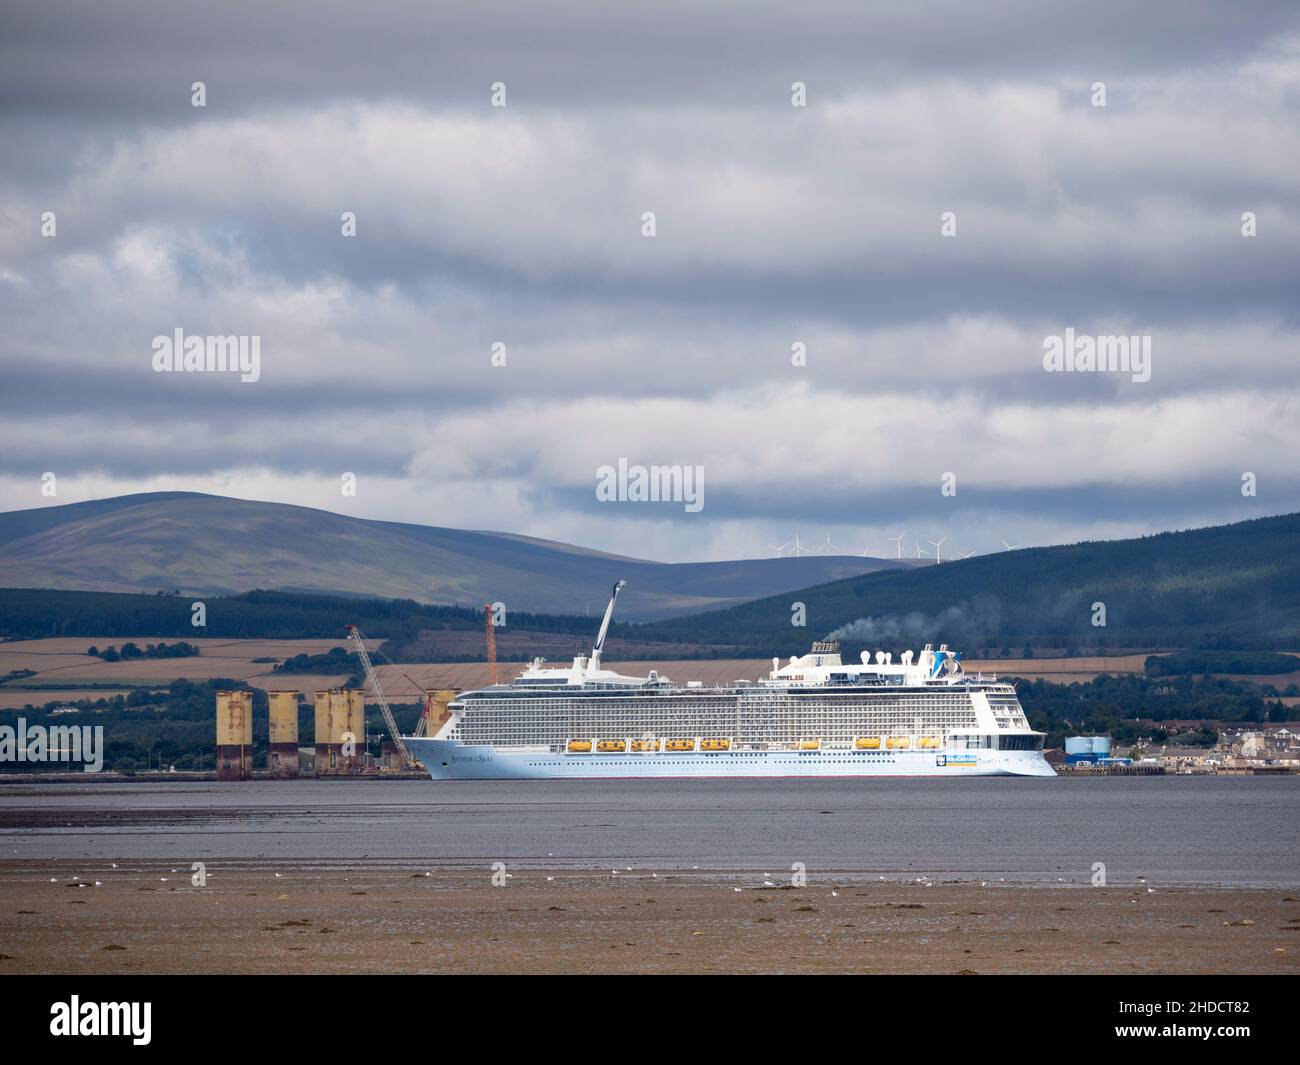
(1010, 547)
(798, 548)
(937, 544)
(967, 554)
(919, 553)
(899, 541)
(779, 550)
(829, 546)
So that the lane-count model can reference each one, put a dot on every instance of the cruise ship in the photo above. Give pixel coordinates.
(815, 716)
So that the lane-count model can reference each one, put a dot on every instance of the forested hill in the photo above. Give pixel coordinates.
(1231, 586)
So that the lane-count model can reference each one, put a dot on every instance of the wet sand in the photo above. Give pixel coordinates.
(282, 917)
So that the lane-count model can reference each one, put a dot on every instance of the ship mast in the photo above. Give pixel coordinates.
(604, 627)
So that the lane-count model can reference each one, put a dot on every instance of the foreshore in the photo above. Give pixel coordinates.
(99, 917)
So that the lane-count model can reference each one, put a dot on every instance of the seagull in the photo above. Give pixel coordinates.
(834, 894)
(735, 889)
(549, 879)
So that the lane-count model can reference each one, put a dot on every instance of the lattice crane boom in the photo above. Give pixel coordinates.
(359, 645)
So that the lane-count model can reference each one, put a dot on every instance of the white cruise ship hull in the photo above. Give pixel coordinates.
(452, 760)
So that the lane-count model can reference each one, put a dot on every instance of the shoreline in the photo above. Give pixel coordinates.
(285, 917)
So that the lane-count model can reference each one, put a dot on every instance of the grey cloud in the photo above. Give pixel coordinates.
(775, 225)
(83, 57)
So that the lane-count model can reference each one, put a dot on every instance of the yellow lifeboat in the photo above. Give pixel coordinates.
(927, 743)
(715, 745)
(580, 746)
(641, 746)
(867, 743)
(679, 745)
(611, 746)
(810, 745)
(898, 743)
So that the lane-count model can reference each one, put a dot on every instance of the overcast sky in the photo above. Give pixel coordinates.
(775, 225)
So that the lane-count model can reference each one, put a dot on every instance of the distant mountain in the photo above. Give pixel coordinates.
(213, 545)
(1231, 586)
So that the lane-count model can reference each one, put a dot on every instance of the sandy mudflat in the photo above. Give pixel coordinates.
(248, 920)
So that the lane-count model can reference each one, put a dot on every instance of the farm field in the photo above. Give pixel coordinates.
(63, 668)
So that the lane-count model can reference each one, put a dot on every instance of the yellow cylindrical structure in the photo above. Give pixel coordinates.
(282, 755)
(327, 746)
(357, 716)
(322, 704)
(284, 717)
(234, 718)
(234, 735)
(339, 715)
(340, 730)
(353, 735)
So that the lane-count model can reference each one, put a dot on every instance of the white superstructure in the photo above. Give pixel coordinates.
(814, 716)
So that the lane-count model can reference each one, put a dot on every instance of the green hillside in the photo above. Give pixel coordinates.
(1229, 587)
(205, 545)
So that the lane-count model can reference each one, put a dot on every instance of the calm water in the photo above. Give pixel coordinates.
(1172, 830)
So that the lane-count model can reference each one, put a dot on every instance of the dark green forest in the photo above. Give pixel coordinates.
(1259, 663)
(1113, 705)
(335, 660)
(33, 613)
